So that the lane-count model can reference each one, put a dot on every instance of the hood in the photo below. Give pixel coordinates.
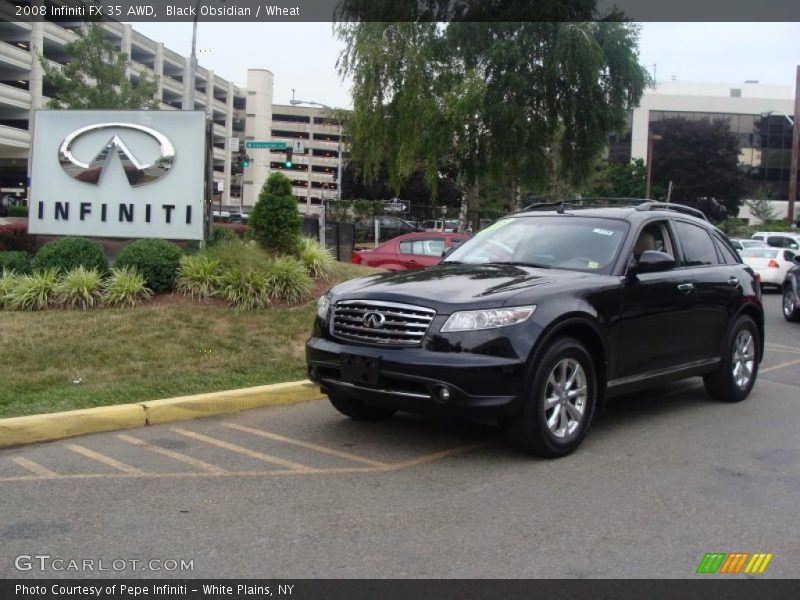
(447, 287)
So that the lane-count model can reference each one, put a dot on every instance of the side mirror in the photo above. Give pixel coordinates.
(653, 261)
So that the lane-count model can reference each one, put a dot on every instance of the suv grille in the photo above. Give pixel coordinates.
(376, 322)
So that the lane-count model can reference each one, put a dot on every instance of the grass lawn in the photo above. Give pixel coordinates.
(58, 360)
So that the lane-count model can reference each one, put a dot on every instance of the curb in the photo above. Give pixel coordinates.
(17, 431)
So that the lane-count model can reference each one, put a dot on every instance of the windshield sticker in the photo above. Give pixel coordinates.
(592, 265)
(602, 231)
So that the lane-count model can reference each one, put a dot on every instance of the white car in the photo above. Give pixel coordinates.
(741, 243)
(778, 239)
(771, 264)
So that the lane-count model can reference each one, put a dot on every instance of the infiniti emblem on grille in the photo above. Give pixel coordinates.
(373, 320)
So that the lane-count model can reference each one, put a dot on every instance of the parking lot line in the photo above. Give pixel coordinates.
(781, 366)
(331, 451)
(102, 458)
(779, 348)
(34, 467)
(199, 464)
(243, 451)
(413, 462)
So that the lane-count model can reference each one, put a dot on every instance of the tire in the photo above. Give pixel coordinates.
(357, 410)
(725, 385)
(791, 310)
(547, 427)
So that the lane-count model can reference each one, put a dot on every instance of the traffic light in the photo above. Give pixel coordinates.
(288, 162)
(245, 161)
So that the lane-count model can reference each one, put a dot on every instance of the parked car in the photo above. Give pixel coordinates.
(770, 264)
(447, 226)
(791, 292)
(540, 318)
(410, 251)
(778, 240)
(390, 227)
(741, 243)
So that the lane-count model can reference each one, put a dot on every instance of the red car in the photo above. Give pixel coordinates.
(409, 251)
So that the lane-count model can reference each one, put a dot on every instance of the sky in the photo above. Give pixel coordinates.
(302, 56)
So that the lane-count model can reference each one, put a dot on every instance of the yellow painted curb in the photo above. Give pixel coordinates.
(201, 405)
(54, 426)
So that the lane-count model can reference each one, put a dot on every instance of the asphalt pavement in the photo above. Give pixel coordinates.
(663, 478)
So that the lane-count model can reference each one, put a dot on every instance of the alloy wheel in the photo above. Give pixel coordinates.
(565, 398)
(744, 355)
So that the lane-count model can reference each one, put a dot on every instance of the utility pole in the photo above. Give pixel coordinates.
(793, 168)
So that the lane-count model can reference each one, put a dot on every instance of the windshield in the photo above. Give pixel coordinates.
(759, 253)
(569, 242)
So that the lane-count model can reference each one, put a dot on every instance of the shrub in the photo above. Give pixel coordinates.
(8, 281)
(275, 221)
(198, 277)
(80, 288)
(14, 236)
(288, 280)
(235, 253)
(125, 287)
(156, 260)
(317, 259)
(34, 292)
(71, 252)
(246, 290)
(17, 211)
(18, 262)
(221, 234)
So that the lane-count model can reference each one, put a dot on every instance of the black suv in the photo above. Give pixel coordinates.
(540, 317)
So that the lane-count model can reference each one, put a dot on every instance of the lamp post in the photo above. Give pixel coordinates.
(294, 102)
(650, 139)
(793, 161)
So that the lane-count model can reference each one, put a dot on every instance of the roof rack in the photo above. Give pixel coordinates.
(687, 210)
(561, 205)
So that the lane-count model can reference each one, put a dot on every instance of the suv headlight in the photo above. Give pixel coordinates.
(323, 306)
(473, 320)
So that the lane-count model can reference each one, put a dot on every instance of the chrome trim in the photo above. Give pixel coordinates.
(389, 305)
(335, 382)
(403, 325)
(706, 362)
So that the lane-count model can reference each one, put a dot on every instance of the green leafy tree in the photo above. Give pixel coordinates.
(761, 208)
(536, 100)
(95, 76)
(701, 158)
(274, 221)
(620, 180)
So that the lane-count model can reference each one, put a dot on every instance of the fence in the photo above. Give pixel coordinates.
(340, 237)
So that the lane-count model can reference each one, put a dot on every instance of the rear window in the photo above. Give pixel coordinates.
(759, 253)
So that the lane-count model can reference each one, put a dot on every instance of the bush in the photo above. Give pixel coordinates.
(156, 260)
(246, 290)
(8, 281)
(125, 287)
(275, 221)
(18, 262)
(71, 252)
(14, 236)
(80, 288)
(221, 234)
(34, 292)
(17, 211)
(288, 280)
(317, 259)
(234, 253)
(198, 277)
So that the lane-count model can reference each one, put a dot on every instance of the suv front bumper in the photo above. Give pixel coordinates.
(412, 379)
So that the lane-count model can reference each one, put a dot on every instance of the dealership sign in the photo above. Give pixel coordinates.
(122, 174)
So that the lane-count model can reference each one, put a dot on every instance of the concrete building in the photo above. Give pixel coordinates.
(755, 112)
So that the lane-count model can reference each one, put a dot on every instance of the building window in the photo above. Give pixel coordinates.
(291, 118)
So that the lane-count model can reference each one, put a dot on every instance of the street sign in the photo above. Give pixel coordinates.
(254, 144)
(395, 205)
(298, 147)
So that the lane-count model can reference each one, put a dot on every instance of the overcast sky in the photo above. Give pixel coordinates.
(303, 55)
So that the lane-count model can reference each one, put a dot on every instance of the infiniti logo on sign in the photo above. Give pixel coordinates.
(373, 320)
(138, 173)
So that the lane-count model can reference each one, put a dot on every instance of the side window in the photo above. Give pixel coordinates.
(405, 247)
(654, 236)
(788, 255)
(422, 247)
(728, 256)
(698, 249)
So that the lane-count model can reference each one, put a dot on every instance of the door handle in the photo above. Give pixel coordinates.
(686, 287)
(733, 280)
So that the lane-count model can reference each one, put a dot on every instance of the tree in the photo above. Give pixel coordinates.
(701, 158)
(761, 208)
(274, 221)
(95, 76)
(620, 180)
(530, 102)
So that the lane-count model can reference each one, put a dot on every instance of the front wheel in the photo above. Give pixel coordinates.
(560, 403)
(736, 375)
(791, 310)
(358, 410)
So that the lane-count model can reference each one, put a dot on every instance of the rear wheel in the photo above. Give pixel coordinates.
(560, 403)
(791, 310)
(737, 372)
(358, 410)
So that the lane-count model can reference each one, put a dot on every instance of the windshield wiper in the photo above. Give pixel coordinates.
(521, 264)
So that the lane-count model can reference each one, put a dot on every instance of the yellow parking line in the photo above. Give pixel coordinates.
(106, 460)
(308, 445)
(240, 450)
(781, 366)
(34, 467)
(203, 466)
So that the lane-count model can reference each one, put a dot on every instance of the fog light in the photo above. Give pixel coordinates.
(442, 394)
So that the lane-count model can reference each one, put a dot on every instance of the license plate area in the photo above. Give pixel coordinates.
(362, 370)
